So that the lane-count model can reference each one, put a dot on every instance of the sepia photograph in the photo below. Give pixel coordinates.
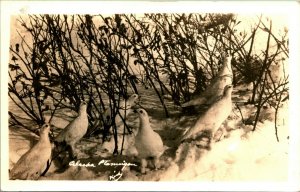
(144, 96)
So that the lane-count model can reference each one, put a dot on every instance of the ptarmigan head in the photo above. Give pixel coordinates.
(143, 115)
(227, 90)
(83, 107)
(228, 62)
(133, 99)
(226, 68)
(45, 130)
(228, 59)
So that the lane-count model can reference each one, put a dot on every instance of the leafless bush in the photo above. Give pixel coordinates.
(70, 58)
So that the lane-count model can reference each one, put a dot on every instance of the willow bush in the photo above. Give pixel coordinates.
(63, 59)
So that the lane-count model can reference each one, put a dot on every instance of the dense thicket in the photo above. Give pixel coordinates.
(62, 59)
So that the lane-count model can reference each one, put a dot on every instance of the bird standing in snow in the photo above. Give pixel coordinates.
(75, 130)
(212, 119)
(124, 109)
(216, 87)
(32, 164)
(148, 143)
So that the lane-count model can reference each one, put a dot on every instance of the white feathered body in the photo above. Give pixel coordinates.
(33, 163)
(212, 119)
(216, 87)
(148, 143)
(76, 129)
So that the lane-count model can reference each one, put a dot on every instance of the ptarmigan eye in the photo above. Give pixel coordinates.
(141, 111)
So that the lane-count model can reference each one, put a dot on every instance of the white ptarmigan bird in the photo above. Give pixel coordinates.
(75, 130)
(32, 164)
(216, 87)
(148, 143)
(212, 119)
(124, 111)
